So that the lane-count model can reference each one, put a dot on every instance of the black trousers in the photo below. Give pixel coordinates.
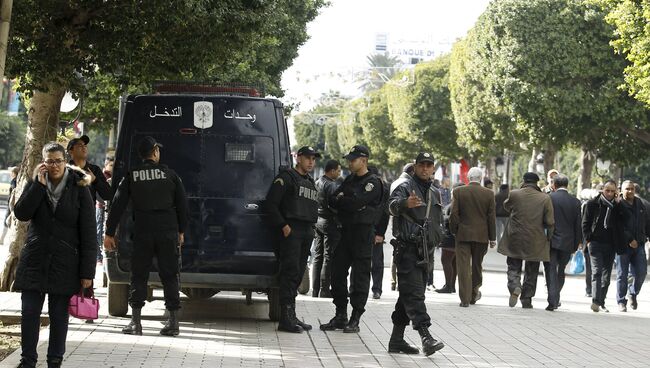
(328, 235)
(585, 251)
(164, 246)
(412, 279)
(354, 251)
(293, 253)
(377, 267)
(30, 324)
(602, 259)
(554, 272)
(531, 270)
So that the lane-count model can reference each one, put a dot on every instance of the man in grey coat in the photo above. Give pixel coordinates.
(526, 238)
(567, 236)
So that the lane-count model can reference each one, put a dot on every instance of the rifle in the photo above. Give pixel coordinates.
(423, 239)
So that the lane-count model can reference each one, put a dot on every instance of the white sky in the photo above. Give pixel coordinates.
(344, 34)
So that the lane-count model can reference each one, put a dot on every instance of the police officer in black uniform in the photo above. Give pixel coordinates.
(358, 203)
(328, 231)
(160, 208)
(411, 203)
(292, 206)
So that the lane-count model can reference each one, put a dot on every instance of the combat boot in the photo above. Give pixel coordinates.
(429, 344)
(297, 321)
(338, 322)
(353, 323)
(171, 326)
(135, 326)
(397, 343)
(288, 321)
(54, 362)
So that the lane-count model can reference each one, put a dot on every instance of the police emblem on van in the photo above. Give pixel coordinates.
(203, 114)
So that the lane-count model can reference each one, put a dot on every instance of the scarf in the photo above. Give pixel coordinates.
(54, 192)
(610, 206)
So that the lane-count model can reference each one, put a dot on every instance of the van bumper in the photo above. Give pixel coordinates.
(221, 281)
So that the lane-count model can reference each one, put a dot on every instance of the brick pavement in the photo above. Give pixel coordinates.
(224, 332)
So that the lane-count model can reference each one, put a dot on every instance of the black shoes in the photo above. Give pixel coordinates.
(171, 327)
(463, 305)
(550, 308)
(288, 323)
(376, 295)
(634, 303)
(325, 293)
(353, 323)
(305, 326)
(429, 344)
(397, 343)
(526, 304)
(25, 364)
(337, 323)
(446, 290)
(54, 362)
(393, 286)
(622, 307)
(476, 298)
(135, 326)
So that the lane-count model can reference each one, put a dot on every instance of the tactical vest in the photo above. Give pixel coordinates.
(371, 213)
(152, 188)
(302, 202)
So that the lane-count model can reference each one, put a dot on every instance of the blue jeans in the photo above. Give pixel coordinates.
(632, 260)
(32, 305)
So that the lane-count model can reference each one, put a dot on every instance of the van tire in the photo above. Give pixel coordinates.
(199, 293)
(118, 299)
(274, 304)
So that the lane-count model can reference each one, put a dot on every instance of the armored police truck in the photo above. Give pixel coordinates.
(227, 144)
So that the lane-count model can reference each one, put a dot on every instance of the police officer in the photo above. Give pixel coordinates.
(358, 202)
(328, 232)
(160, 208)
(410, 203)
(292, 206)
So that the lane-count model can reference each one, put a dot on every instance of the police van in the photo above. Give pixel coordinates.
(226, 143)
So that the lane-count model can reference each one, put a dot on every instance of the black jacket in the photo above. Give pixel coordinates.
(100, 185)
(636, 222)
(61, 247)
(326, 188)
(499, 198)
(593, 228)
(567, 233)
(404, 228)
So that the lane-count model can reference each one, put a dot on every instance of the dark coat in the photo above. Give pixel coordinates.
(61, 247)
(403, 228)
(473, 216)
(567, 234)
(530, 227)
(499, 198)
(592, 224)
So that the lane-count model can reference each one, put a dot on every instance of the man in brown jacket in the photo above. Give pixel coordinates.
(527, 237)
(473, 221)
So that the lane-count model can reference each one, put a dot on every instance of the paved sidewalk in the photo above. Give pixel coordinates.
(224, 332)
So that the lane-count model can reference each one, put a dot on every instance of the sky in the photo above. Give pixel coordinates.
(345, 32)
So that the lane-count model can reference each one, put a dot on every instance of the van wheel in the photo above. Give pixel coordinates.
(274, 304)
(118, 299)
(199, 293)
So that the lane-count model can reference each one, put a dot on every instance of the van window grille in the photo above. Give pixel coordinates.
(239, 152)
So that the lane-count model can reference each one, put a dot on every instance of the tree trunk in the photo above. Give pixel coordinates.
(532, 164)
(549, 159)
(43, 123)
(587, 162)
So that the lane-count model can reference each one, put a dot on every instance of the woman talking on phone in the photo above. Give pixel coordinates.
(58, 258)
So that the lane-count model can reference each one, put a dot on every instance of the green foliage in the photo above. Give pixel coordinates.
(421, 112)
(12, 139)
(383, 68)
(113, 43)
(632, 39)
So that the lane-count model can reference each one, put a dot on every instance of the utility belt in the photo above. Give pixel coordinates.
(401, 247)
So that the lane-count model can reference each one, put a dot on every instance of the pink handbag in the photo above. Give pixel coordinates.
(84, 307)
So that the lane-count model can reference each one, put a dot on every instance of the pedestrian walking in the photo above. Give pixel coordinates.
(448, 250)
(567, 237)
(526, 238)
(473, 222)
(292, 206)
(160, 210)
(358, 202)
(417, 210)
(58, 258)
(328, 231)
(100, 211)
(631, 257)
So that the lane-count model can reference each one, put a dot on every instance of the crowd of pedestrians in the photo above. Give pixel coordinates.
(65, 201)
